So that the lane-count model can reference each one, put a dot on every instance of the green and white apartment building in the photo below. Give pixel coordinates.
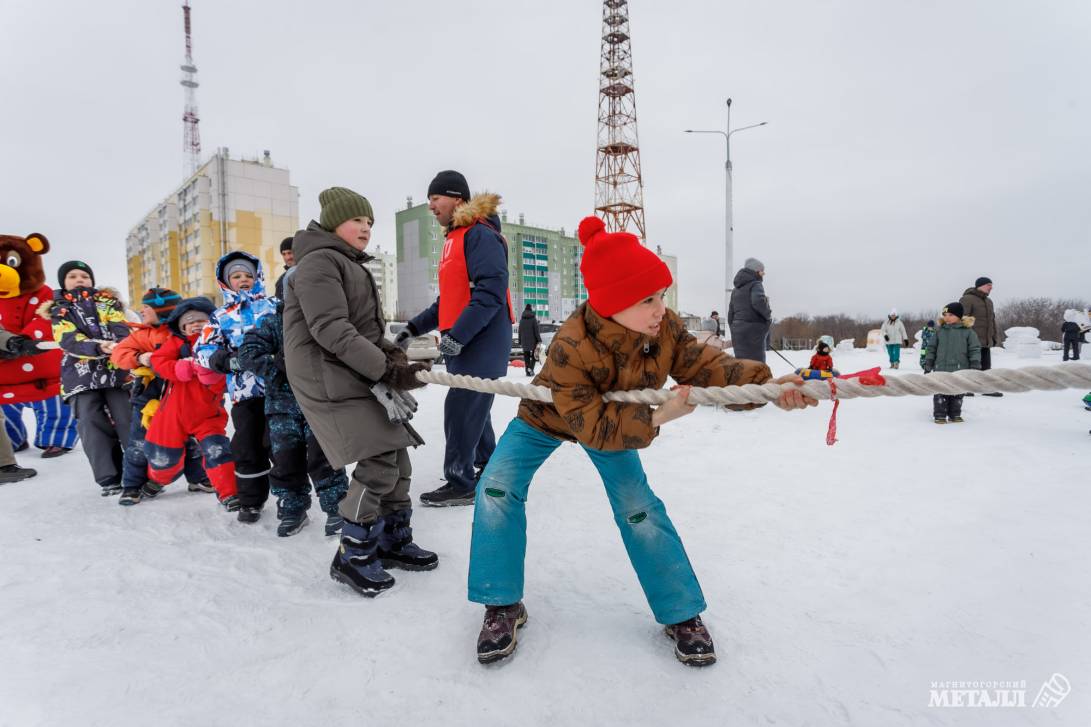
(543, 265)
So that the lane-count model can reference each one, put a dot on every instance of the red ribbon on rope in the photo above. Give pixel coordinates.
(868, 377)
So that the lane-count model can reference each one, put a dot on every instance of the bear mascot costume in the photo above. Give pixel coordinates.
(30, 362)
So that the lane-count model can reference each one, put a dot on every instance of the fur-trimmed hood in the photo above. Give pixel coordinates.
(483, 206)
(966, 322)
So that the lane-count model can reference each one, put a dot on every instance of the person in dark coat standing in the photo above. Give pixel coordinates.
(977, 304)
(530, 335)
(289, 260)
(338, 362)
(748, 315)
(474, 315)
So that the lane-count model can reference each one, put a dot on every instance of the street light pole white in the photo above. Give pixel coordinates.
(729, 222)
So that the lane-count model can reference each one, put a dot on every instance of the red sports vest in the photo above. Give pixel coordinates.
(454, 279)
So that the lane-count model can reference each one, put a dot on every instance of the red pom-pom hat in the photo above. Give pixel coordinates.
(617, 270)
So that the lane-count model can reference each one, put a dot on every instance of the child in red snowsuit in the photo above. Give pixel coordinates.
(192, 405)
(822, 361)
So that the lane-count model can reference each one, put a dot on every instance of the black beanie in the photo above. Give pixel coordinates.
(954, 309)
(982, 281)
(71, 265)
(450, 183)
(286, 243)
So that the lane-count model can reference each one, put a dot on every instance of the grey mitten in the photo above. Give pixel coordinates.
(392, 400)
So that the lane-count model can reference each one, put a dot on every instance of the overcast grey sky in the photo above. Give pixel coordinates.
(912, 145)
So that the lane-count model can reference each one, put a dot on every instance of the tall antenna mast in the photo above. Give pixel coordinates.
(191, 144)
(619, 191)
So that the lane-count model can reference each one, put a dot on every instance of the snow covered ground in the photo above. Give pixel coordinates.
(842, 582)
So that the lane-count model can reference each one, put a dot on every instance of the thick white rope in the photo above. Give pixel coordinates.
(1031, 378)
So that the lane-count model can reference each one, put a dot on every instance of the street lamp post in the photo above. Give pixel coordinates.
(729, 225)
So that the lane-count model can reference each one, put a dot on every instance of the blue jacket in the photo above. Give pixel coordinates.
(484, 327)
(262, 352)
(218, 346)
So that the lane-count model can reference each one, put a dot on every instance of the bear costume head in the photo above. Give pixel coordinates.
(21, 269)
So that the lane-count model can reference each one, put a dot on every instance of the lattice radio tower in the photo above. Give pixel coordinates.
(191, 144)
(619, 191)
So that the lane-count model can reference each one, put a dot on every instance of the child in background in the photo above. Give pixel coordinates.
(928, 333)
(955, 347)
(242, 283)
(295, 449)
(134, 354)
(192, 406)
(88, 323)
(822, 360)
(622, 338)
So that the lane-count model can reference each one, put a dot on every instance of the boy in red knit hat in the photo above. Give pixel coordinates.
(622, 338)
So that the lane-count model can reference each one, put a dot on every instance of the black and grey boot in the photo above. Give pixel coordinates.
(202, 486)
(111, 490)
(15, 473)
(290, 522)
(396, 546)
(356, 562)
(129, 496)
(150, 490)
(249, 514)
(448, 496)
(500, 632)
(692, 642)
(334, 522)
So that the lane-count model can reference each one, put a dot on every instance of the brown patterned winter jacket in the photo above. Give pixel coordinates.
(591, 355)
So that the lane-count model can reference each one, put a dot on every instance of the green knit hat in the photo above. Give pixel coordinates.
(340, 204)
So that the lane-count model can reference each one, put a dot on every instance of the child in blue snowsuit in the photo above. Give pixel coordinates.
(295, 448)
(622, 338)
(242, 283)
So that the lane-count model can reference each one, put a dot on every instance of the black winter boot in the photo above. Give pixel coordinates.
(15, 473)
(150, 490)
(290, 522)
(334, 523)
(447, 496)
(249, 514)
(396, 546)
(129, 496)
(356, 562)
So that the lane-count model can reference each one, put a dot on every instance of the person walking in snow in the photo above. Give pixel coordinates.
(134, 354)
(622, 338)
(530, 337)
(954, 348)
(474, 315)
(242, 282)
(894, 336)
(352, 384)
(748, 314)
(1071, 334)
(88, 323)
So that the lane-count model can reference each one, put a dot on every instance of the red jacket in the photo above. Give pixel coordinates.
(822, 363)
(29, 378)
(185, 404)
(143, 339)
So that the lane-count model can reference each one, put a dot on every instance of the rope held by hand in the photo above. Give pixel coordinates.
(1031, 378)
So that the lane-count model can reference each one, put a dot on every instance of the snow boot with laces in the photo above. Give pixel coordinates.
(692, 642)
(396, 546)
(356, 562)
(500, 632)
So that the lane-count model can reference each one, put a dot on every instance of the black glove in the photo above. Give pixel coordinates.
(449, 346)
(402, 339)
(223, 362)
(886, 338)
(905, 343)
(402, 375)
(23, 346)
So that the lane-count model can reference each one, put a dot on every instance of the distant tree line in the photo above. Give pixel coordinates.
(1045, 314)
